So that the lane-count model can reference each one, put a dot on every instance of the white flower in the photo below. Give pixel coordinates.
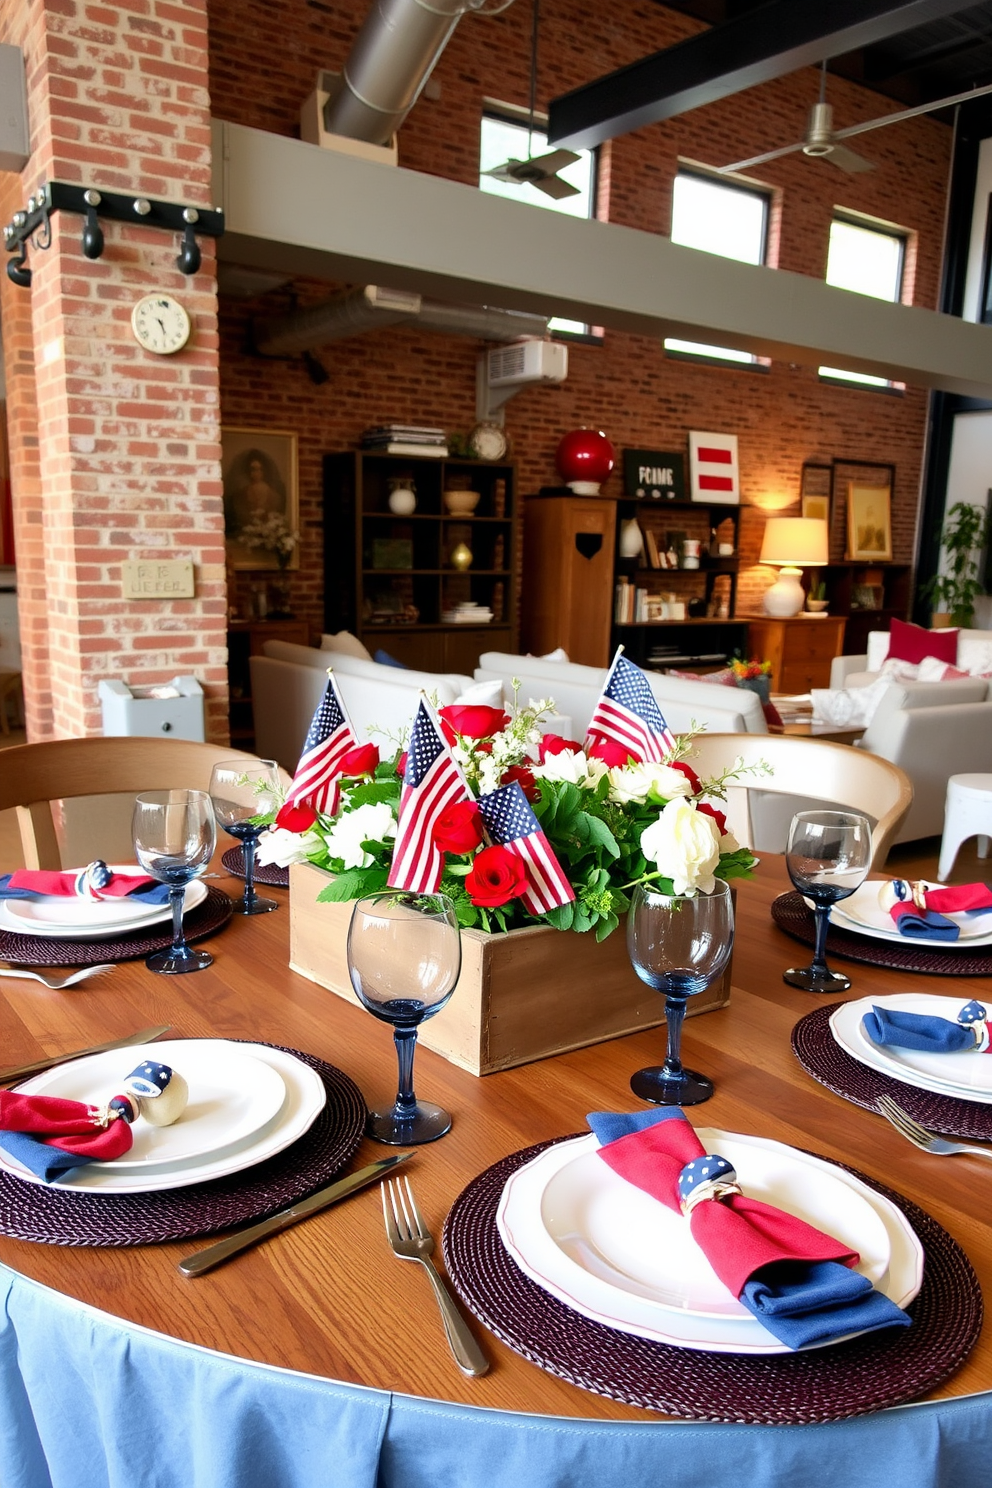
(370, 823)
(572, 766)
(641, 781)
(280, 847)
(685, 844)
(666, 782)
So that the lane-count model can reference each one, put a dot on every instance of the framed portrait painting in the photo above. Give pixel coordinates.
(869, 523)
(261, 498)
(816, 491)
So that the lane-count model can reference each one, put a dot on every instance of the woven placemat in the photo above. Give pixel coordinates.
(209, 916)
(851, 1379)
(55, 1216)
(791, 915)
(822, 1057)
(266, 873)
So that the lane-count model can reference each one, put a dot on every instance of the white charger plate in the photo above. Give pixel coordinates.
(81, 919)
(966, 1075)
(862, 913)
(232, 1095)
(305, 1099)
(613, 1254)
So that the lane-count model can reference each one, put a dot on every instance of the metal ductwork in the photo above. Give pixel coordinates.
(391, 60)
(371, 307)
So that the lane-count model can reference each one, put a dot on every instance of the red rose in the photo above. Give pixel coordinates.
(459, 828)
(360, 761)
(496, 877)
(401, 765)
(524, 778)
(555, 744)
(690, 775)
(474, 722)
(610, 752)
(720, 817)
(298, 818)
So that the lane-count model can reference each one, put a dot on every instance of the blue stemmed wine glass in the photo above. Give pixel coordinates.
(828, 857)
(174, 834)
(241, 791)
(404, 958)
(680, 946)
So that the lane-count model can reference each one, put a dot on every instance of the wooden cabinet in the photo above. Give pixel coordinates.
(800, 649)
(390, 579)
(870, 595)
(568, 575)
(246, 638)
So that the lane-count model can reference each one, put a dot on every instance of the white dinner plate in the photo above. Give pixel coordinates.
(57, 918)
(232, 1095)
(609, 1251)
(305, 1099)
(862, 913)
(966, 1075)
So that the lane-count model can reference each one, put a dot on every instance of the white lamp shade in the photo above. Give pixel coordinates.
(795, 542)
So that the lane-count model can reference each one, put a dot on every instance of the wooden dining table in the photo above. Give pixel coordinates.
(336, 1302)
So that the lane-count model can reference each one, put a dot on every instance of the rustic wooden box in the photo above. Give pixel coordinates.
(520, 996)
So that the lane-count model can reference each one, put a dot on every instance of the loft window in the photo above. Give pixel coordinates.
(504, 139)
(718, 217)
(866, 258)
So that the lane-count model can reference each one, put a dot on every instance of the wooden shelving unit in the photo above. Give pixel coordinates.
(853, 588)
(246, 638)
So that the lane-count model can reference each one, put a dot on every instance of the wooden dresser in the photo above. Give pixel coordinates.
(800, 649)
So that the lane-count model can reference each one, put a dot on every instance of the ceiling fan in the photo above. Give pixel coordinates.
(822, 141)
(541, 171)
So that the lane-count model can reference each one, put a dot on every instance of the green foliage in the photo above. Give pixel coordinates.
(966, 532)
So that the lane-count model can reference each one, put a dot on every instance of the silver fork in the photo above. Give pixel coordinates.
(919, 1136)
(412, 1241)
(57, 983)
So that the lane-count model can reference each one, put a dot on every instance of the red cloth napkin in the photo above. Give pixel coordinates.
(958, 898)
(71, 1125)
(63, 885)
(737, 1235)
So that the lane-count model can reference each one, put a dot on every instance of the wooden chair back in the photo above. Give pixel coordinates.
(814, 770)
(33, 776)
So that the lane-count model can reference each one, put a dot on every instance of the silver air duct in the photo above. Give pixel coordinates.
(367, 309)
(392, 58)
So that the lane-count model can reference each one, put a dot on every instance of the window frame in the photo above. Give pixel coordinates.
(855, 381)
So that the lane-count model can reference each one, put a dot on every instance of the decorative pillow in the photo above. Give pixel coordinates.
(384, 659)
(345, 644)
(483, 695)
(558, 654)
(847, 706)
(723, 678)
(901, 671)
(912, 643)
(931, 669)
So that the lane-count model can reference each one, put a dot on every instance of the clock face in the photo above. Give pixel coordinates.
(488, 442)
(160, 324)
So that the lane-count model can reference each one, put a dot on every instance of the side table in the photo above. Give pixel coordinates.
(800, 649)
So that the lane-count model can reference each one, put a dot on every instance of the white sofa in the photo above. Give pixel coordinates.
(974, 653)
(576, 690)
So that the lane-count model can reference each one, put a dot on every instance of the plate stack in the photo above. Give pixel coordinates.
(862, 914)
(58, 917)
(965, 1075)
(405, 439)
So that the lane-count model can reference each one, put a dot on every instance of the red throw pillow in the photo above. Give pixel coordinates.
(913, 643)
(724, 678)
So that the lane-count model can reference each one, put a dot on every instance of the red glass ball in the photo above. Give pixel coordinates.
(585, 455)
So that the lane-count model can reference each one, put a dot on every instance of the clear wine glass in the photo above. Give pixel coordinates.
(404, 957)
(239, 792)
(174, 835)
(828, 857)
(679, 946)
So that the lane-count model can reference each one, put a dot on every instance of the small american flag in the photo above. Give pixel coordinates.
(432, 782)
(328, 741)
(628, 713)
(511, 824)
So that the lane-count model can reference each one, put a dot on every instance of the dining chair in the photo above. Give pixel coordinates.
(74, 796)
(812, 772)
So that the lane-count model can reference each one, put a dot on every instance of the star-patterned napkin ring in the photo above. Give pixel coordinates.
(706, 1177)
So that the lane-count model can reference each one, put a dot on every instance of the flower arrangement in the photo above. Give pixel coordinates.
(269, 532)
(747, 671)
(612, 820)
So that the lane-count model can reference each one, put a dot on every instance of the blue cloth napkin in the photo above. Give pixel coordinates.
(916, 924)
(930, 1035)
(150, 893)
(46, 1162)
(799, 1302)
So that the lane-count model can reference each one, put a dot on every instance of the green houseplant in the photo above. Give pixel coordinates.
(966, 532)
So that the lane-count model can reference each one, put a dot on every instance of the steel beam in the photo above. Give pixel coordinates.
(775, 39)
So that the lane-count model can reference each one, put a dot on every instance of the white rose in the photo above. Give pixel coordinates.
(666, 784)
(685, 844)
(371, 823)
(279, 847)
(572, 766)
(629, 783)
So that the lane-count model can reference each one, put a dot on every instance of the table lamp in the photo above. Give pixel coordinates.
(791, 544)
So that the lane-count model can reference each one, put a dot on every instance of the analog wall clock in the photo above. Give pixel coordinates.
(488, 442)
(160, 324)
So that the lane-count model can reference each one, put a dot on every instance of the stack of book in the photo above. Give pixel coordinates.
(406, 439)
(632, 605)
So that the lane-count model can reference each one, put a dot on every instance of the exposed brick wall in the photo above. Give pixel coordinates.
(129, 445)
(626, 386)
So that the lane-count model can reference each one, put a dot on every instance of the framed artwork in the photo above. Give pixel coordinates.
(815, 492)
(713, 471)
(655, 475)
(869, 523)
(875, 475)
(260, 480)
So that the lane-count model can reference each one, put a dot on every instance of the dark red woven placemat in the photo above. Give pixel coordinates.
(791, 915)
(56, 1216)
(851, 1379)
(822, 1057)
(209, 916)
(267, 873)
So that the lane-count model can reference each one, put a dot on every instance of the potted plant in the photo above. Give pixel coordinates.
(966, 532)
(753, 676)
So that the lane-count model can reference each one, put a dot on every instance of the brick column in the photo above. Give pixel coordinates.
(121, 458)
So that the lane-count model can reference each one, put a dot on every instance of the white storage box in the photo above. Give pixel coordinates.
(174, 708)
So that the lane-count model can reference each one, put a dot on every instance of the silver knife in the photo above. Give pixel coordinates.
(205, 1260)
(143, 1036)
